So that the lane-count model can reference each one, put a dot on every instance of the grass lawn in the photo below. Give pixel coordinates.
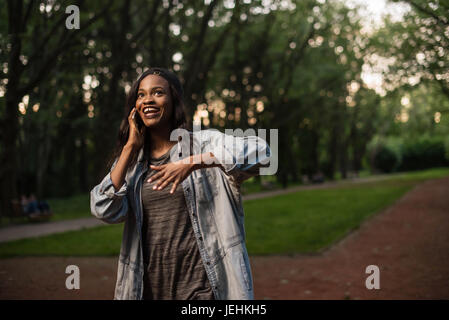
(309, 220)
(74, 207)
(301, 222)
(78, 206)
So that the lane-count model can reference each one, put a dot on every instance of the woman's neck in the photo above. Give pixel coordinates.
(160, 142)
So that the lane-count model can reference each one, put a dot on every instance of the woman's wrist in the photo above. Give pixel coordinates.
(129, 147)
(204, 160)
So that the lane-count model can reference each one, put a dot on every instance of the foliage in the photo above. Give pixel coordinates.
(297, 66)
(426, 152)
(387, 154)
(446, 148)
(401, 154)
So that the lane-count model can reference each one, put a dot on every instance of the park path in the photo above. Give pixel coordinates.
(45, 228)
(409, 242)
(17, 232)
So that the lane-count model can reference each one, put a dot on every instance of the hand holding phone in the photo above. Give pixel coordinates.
(136, 130)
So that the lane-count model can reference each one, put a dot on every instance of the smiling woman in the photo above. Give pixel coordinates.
(185, 242)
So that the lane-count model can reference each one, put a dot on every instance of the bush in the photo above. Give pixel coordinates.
(446, 148)
(386, 159)
(386, 154)
(426, 152)
(394, 154)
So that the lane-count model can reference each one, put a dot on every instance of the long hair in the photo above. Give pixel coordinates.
(178, 117)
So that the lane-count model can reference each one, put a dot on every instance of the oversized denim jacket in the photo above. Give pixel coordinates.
(215, 208)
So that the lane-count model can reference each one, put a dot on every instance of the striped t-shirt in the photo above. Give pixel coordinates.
(173, 265)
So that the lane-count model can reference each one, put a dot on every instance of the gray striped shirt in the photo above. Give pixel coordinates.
(173, 265)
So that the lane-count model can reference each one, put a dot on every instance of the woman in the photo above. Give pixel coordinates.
(184, 235)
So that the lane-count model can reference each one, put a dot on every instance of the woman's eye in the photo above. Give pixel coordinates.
(159, 92)
(140, 95)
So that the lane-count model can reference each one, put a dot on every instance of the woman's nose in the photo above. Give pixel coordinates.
(148, 99)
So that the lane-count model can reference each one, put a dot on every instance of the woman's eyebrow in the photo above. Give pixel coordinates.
(158, 87)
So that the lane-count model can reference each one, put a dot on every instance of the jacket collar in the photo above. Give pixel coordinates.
(140, 157)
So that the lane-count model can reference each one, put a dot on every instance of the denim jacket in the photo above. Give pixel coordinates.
(215, 208)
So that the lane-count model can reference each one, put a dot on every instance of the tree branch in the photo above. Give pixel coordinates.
(28, 12)
(65, 43)
(428, 12)
(149, 23)
(192, 72)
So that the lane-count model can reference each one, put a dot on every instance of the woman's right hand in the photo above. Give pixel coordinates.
(136, 136)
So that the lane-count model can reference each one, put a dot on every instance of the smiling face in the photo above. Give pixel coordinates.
(154, 103)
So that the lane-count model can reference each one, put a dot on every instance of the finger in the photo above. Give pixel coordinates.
(156, 176)
(167, 181)
(132, 113)
(160, 182)
(175, 185)
(157, 167)
(131, 118)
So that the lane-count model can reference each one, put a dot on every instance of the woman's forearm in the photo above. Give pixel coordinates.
(204, 160)
(118, 174)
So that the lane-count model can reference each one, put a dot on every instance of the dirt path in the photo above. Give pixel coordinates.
(409, 242)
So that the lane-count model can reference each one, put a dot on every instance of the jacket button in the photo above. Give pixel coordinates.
(201, 238)
(216, 288)
(208, 263)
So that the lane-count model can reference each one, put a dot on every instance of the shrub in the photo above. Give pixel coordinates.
(394, 154)
(386, 154)
(425, 152)
(446, 148)
(386, 159)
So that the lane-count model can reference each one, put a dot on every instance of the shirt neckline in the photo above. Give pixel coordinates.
(163, 156)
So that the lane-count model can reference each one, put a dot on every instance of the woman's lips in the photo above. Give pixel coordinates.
(151, 115)
(152, 112)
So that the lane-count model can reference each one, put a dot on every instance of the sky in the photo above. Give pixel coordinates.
(374, 11)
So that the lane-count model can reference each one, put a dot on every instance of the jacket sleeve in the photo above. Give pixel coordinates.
(106, 203)
(239, 157)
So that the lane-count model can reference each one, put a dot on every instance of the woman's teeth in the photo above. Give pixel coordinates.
(150, 110)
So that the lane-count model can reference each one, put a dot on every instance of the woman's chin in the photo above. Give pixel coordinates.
(152, 123)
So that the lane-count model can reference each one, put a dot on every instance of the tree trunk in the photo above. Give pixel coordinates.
(9, 152)
(330, 171)
(10, 125)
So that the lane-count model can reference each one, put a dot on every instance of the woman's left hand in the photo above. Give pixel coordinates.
(174, 172)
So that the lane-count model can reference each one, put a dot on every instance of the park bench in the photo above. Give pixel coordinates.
(18, 212)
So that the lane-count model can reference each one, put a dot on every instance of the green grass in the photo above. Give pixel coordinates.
(302, 222)
(74, 207)
(98, 241)
(418, 176)
(309, 220)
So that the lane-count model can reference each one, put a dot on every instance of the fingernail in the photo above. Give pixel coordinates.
(154, 188)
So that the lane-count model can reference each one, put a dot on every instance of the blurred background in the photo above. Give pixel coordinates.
(359, 91)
